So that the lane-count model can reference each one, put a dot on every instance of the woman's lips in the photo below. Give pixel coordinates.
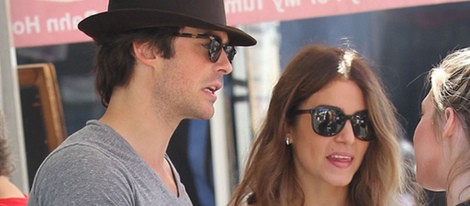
(340, 160)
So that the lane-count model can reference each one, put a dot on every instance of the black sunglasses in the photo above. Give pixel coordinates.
(328, 121)
(215, 46)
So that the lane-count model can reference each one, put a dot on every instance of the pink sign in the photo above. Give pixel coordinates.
(253, 11)
(47, 22)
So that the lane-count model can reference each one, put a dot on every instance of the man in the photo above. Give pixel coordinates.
(158, 62)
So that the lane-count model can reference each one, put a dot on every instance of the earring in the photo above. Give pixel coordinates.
(288, 142)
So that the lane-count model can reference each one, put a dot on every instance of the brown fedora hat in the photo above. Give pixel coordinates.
(126, 15)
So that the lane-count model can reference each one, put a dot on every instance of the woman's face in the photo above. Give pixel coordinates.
(330, 161)
(428, 152)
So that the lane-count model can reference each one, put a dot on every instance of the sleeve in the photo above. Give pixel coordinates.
(81, 175)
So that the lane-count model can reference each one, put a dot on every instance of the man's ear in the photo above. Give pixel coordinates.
(144, 53)
(451, 123)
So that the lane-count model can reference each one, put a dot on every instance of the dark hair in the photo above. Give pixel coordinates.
(115, 58)
(269, 178)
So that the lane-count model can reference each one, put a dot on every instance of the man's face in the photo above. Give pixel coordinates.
(189, 80)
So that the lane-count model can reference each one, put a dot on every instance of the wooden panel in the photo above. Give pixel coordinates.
(43, 121)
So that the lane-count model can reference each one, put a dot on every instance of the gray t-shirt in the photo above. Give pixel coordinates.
(96, 166)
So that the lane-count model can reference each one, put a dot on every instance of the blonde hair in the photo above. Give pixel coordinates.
(269, 177)
(450, 88)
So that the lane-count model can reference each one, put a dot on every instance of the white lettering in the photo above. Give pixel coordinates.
(239, 6)
(75, 21)
(66, 22)
(281, 4)
(52, 25)
(292, 3)
(278, 4)
(233, 6)
(61, 24)
(18, 28)
(320, 1)
(27, 26)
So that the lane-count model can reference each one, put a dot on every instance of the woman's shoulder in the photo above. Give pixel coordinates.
(8, 189)
(10, 195)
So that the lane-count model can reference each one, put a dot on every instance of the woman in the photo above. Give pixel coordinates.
(442, 137)
(9, 194)
(330, 137)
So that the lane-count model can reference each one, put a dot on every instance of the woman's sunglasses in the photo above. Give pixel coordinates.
(215, 46)
(328, 121)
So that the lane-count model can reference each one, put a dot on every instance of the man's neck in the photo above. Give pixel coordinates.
(148, 135)
(146, 127)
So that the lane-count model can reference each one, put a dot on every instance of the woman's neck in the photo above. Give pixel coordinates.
(326, 195)
(459, 189)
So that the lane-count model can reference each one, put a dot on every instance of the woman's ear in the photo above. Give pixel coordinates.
(451, 123)
(144, 53)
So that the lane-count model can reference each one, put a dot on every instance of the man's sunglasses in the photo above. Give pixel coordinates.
(215, 46)
(328, 121)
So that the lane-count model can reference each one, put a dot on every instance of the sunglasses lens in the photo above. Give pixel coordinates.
(215, 48)
(327, 121)
(230, 51)
(360, 122)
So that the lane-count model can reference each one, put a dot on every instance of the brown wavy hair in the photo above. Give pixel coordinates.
(269, 178)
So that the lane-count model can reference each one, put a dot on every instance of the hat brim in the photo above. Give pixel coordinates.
(130, 19)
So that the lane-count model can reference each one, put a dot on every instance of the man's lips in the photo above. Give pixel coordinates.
(213, 88)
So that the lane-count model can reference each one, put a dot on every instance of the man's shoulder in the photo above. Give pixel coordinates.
(80, 173)
(95, 140)
(85, 155)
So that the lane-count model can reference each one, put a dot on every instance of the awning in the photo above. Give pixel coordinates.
(48, 22)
